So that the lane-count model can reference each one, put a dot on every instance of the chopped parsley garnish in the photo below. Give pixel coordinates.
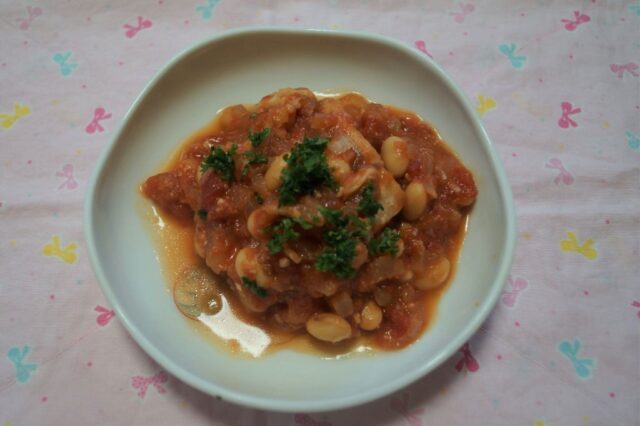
(338, 257)
(306, 170)
(368, 206)
(334, 217)
(252, 157)
(361, 229)
(254, 287)
(202, 214)
(221, 162)
(259, 198)
(386, 242)
(258, 137)
(337, 219)
(284, 231)
(341, 239)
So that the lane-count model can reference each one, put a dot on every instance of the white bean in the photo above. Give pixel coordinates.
(247, 265)
(259, 219)
(395, 156)
(273, 176)
(262, 278)
(342, 303)
(435, 275)
(415, 201)
(328, 327)
(383, 297)
(371, 316)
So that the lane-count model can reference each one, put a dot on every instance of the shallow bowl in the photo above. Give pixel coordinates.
(240, 67)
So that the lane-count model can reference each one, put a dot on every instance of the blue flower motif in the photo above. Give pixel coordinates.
(633, 140)
(23, 371)
(206, 10)
(61, 59)
(509, 50)
(583, 366)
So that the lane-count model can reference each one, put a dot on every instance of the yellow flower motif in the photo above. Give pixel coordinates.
(66, 254)
(485, 104)
(8, 120)
(586, 249)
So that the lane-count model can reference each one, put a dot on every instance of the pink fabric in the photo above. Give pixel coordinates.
(558, 87)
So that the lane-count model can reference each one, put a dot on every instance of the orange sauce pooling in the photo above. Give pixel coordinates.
(235, 330)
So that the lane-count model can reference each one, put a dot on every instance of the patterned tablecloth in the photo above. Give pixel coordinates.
(557, 84)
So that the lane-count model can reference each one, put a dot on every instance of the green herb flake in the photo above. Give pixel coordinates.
(334, 217)
(341, 239)
(360, 227)
(254, 287)
(202, 214)
(337, 258)
(259, 198)
(284, 231)
(306, 170)
(258, 137)
(368, 205)
(386, 242)
(221, 162)
(252, 157)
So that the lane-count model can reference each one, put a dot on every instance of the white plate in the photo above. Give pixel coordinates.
(240, 67)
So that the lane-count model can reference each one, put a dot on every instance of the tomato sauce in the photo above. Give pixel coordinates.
(254, 320)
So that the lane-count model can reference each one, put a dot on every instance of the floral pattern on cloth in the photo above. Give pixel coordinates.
(557, 85)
